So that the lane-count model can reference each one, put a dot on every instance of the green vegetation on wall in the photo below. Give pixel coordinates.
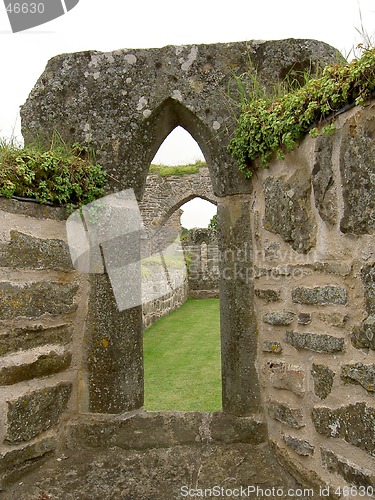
(165, 171)
(62, 175)
(268, 127)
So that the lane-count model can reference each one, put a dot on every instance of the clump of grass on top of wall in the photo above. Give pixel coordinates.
(268, 127)
(165, 171)
(63, 175)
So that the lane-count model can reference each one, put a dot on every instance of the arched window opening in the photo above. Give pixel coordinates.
(182, 329)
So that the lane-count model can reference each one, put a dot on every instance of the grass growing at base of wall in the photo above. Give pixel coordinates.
(182, 359)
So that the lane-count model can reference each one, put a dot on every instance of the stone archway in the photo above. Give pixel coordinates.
(125, 103)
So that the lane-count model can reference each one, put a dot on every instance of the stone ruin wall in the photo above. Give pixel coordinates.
(313, 218)
(43, 306)
(297, 299)
(313, 222)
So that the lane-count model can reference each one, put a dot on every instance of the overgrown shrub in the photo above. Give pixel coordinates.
(267, 127)
(60, 176)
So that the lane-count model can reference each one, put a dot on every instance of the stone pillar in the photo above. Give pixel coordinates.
(114, 352)
(240, 387)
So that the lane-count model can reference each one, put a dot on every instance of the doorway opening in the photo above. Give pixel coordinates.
(182, 347)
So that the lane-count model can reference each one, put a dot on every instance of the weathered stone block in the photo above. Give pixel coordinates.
(34, 336)
(358, 150)
(279, 318)
(286, 415)
(43, 366)
(25, 251)
(304, 318)
(288, 211)
(269, 295)
(34, 413)
(34, 299)
(271, 346)
(315, 342)
(17, 462)
(288, 377)
(349, 471)
(320, 295)
(303, 448)
(363, 337)
(336, 318)
(325, 194)
(355, 423)
(368, 279)
(323, 380)
(361, 374)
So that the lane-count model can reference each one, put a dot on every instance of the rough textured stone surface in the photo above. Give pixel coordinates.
(288, 211)
(325, 193)
(268, 294)
(24, 251)
(323, 380)
(368, 279)
(357, 174)
(300, 446)
(43, 366)
(163, 429)
(15, 463)
(34, 336)
(164, 195)
(315, 342)
(320, 295)
(135, 109)
(32, 414)
(239, 343)
(34, 299)
(271, 346)
(156, 474)
(279, 318)
(33, 209)
(114, 353)
(350, 472)
(304, 318)
(283, 413)
(287, 376)
(361, 374)
(363, 337)
(355, 423)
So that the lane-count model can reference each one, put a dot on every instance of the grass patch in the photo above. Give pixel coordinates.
(165, 170)
(182, 359)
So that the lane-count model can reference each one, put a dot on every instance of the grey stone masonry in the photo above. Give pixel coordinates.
(300, 446)
(24, 251)
(348, 470)
(292, 417)
(355, 423)
(361, 374)
(323, 380)
(320, 295)
(315, 342)
(35, 299)
(279, 318)
(36, 412)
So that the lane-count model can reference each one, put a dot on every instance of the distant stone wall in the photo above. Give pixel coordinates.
(314, 256)
(202, 254)
(43, 306)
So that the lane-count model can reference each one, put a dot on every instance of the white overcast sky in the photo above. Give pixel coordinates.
(107, 25)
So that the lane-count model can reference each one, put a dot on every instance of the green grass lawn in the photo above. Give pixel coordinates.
(182, 359)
